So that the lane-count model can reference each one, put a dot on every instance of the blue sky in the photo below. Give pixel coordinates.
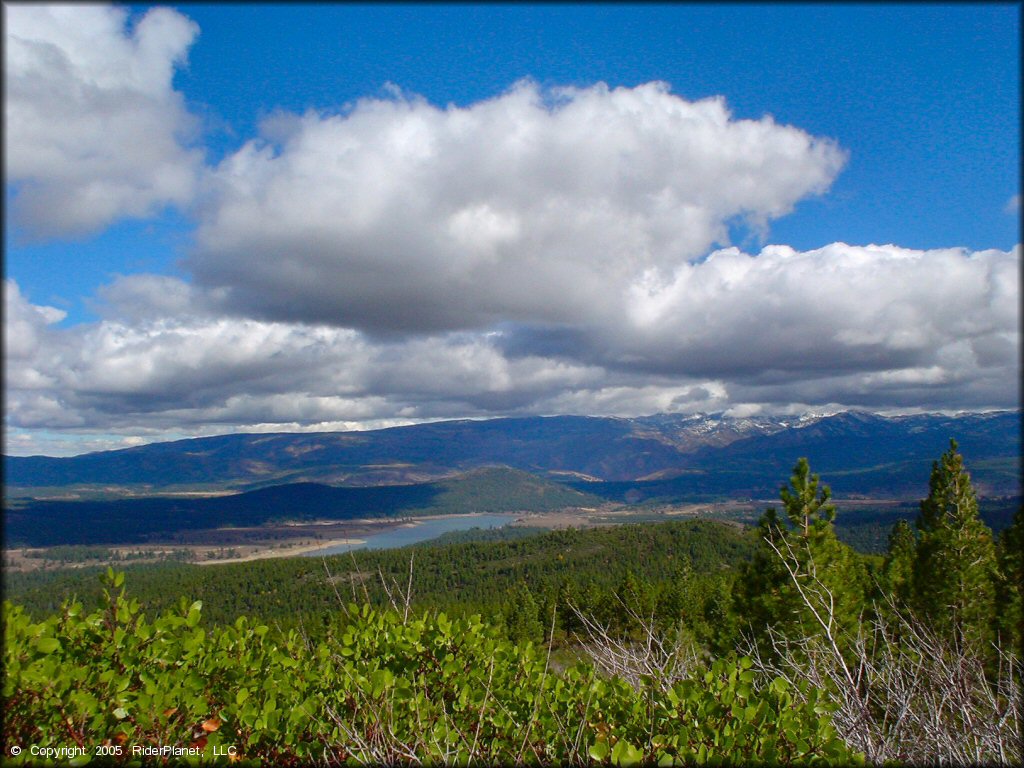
(913, 113)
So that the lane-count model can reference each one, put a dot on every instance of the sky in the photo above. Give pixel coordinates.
(253, 218)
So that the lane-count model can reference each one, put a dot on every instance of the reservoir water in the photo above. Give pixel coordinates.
(423, 530)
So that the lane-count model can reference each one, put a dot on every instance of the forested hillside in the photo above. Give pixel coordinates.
(497, 579)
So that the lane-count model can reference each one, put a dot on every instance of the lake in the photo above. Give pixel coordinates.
(423, 530)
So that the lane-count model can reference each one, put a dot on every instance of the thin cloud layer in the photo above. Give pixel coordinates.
(397, 216)
(94, 129)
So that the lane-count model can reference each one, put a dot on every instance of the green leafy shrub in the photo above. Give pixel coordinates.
(382, 688)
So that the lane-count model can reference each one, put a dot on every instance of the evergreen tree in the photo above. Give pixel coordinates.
(763, 595)
(805, 505)
(1010, 585)
(954, 566)
(635, 600)
(833, 577)
(898, 571)
(522, 616)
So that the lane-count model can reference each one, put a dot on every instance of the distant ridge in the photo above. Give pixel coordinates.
(662, 446)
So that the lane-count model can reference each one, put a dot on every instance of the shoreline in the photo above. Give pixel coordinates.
(411, 522)
(361, 529)
(268, 554)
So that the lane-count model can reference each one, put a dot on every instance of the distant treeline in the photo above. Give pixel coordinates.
(868, 530)
(70, 554)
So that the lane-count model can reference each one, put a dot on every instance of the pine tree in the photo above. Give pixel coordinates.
(833, 576)
(1010, 586)
(522, 616)
(804, 504)
(954, 567)
(898, 570)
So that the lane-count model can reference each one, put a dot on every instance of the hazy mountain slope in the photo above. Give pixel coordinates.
(869, 454)
(856, 454)
(602, 447)
(705, 454)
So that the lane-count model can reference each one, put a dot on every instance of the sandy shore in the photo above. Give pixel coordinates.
(267, 554)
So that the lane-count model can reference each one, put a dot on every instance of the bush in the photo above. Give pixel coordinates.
(383, 689)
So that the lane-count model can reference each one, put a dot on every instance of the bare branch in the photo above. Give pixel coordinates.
(903, 691)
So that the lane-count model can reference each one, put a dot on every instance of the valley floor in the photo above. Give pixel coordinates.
(237, 544)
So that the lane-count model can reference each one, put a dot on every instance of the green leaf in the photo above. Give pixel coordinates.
(625, 754)
(47, 644)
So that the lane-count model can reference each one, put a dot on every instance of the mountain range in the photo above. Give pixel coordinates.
(665, 454)
(151, 492)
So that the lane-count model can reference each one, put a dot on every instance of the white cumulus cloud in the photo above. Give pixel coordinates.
(835, 308)
(94, 130)
(398, 216)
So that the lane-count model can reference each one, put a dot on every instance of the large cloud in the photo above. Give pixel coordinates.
(193, 371)
(814, 313)
(93, 127)
(397, 216)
